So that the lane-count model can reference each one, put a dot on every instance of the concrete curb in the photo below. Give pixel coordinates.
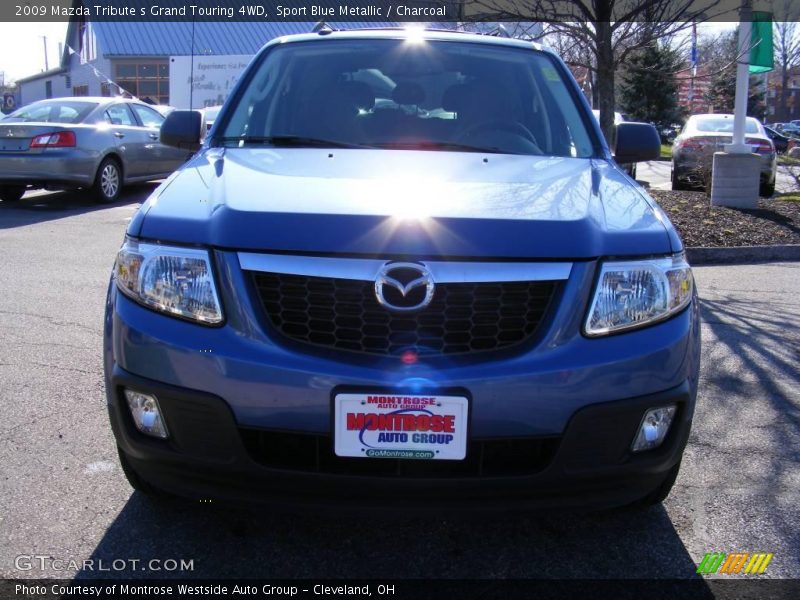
(742, 255)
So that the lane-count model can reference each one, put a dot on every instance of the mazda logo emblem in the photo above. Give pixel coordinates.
(404, 287)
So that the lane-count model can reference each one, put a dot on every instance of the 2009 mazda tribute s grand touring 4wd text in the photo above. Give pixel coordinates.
(403, 269)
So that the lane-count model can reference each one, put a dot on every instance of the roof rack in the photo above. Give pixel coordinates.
(500, 31)
(322, 28)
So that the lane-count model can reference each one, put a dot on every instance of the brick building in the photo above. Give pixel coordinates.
(774, 112)
(692, 91)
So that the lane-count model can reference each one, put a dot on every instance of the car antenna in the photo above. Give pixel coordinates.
(500, 31)
(322, 28)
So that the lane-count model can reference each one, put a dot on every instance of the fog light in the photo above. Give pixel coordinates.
(654, 428)
(146, 414)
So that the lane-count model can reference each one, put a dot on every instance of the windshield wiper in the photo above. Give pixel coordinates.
(289, 141)
(445, 146)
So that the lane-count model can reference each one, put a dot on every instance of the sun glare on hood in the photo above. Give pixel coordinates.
(415, 199)
(415, 34)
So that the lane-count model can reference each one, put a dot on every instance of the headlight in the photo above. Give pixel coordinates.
(638, 293)
(173, 280)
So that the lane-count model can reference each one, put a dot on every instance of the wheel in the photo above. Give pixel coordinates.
(660, 494)
(767, 190)
(677, 184)
(137, 483)
(108, 181)
(11, 193)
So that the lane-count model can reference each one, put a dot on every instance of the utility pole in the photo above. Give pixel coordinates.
(44, 41)
(191, 71)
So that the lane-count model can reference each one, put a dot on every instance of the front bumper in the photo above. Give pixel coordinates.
(207, 458)
(583, 399)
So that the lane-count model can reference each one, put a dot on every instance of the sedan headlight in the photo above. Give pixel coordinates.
(638, 293)
(177, 281)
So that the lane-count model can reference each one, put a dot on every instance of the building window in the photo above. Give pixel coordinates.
(105, 89)
(80, 90)
(48, 89)
(146, 80)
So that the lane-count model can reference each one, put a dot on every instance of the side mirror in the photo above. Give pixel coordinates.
(636, 142)
(182, 129)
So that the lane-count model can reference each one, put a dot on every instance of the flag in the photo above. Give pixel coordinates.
(761, 43)
(694, 49)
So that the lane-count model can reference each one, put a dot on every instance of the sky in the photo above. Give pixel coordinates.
(22, 48)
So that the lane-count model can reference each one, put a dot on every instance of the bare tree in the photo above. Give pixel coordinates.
(576, 55)
(519, 29)
(786, 44)
(715, 51)
(608, 30)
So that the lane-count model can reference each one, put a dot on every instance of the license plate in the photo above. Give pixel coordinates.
(381, 425)
(14, 145)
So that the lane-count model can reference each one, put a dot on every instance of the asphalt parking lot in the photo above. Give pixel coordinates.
(64, 495)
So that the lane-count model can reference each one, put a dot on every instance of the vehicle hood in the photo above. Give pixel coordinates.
(405, 203)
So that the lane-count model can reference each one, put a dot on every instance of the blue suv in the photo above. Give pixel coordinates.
(403, 269)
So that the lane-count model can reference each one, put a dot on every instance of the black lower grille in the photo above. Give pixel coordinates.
(314, 454)
(344, 314)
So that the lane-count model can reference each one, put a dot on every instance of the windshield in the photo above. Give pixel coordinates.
(723, 125)
(67, 111)
(404, 94)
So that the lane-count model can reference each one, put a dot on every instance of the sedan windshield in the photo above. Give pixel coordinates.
(723, 125)
(409, 94)
(66, 111)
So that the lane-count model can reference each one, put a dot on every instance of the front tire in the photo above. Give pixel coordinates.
(108, 182)
(11, 193)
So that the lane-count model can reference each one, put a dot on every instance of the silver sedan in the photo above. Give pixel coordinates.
(693, 150)
(99, 144)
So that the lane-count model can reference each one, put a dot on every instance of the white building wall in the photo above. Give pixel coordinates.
(36, 89)
(85, 75)
(77, 74)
